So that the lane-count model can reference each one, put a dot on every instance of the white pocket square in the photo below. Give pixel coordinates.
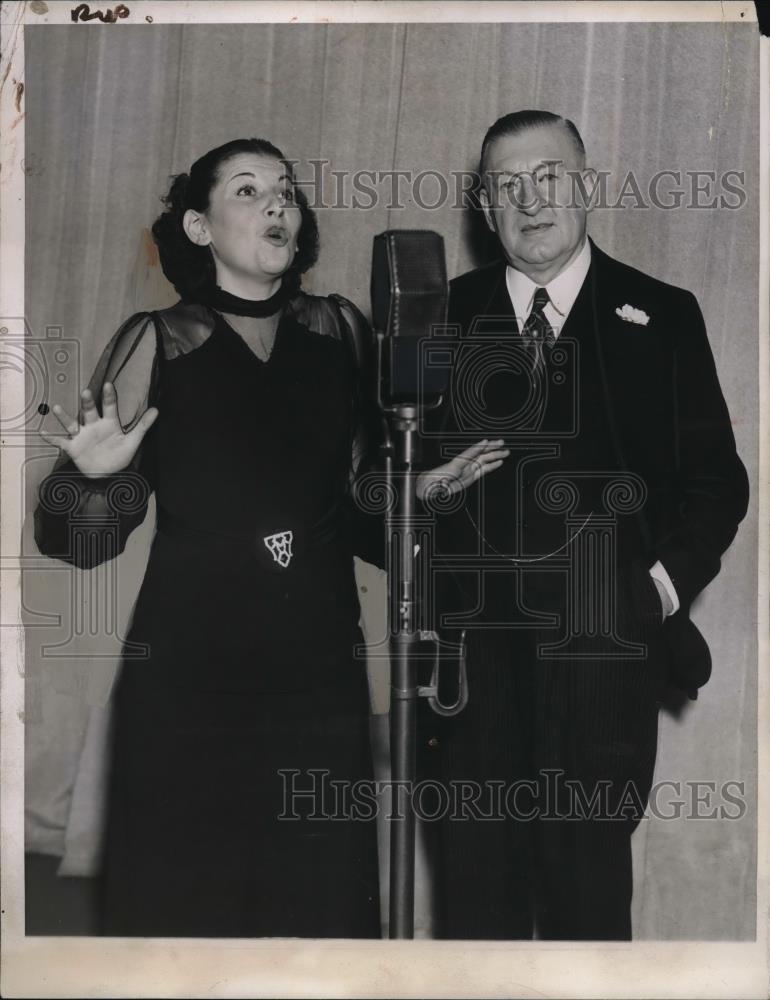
(632, 315)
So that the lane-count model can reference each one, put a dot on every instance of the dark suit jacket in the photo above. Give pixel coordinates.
(667, 420)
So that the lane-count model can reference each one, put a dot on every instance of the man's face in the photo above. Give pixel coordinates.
(532, 203)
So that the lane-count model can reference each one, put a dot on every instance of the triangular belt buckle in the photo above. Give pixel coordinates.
(279, 547)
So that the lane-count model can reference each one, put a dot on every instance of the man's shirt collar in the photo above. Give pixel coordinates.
(562, 290)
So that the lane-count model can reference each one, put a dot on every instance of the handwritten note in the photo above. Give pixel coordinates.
(83, 13)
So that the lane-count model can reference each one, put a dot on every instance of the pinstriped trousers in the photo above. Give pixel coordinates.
(549, 768)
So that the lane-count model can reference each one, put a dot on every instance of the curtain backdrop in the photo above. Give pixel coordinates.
(113, 111)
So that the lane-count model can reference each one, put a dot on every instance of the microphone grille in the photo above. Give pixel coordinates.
(409, 284)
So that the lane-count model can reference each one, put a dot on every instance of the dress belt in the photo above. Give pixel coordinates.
(276, 542)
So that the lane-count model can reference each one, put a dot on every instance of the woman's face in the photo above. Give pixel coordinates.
(251, 224)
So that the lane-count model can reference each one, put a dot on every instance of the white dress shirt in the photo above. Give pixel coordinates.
(562, 292)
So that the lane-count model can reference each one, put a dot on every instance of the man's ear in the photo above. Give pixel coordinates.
(194, 224)
(486, 207)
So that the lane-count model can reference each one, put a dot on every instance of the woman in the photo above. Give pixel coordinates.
(238, 689)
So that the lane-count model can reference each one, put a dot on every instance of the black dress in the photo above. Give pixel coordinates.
(248, 701)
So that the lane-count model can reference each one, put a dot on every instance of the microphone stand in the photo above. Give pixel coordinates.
(405, 635)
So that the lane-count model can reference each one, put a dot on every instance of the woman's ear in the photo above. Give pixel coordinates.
(194, 224)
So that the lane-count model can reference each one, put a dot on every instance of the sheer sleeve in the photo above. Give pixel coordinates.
(368, 433)
(86, 521)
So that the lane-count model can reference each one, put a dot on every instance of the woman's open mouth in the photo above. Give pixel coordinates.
(277, 236)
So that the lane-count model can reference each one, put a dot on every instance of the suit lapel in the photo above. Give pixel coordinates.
(499, 303)
(628, 357)
(629, 353)
(598, 324)
(493, 310)
(579, 322)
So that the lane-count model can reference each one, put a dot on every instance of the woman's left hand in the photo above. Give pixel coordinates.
(464, 469)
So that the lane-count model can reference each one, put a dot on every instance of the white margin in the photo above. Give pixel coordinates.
(72, 966)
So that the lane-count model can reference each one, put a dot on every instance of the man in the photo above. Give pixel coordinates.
(575, 561)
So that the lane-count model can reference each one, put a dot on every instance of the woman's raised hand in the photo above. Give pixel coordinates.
(99, 446)
(464, 469)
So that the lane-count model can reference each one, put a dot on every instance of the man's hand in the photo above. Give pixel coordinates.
(464, 469)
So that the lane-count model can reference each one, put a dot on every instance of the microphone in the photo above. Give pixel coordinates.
(409, 307)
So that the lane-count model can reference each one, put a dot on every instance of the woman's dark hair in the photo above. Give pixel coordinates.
(190, 268)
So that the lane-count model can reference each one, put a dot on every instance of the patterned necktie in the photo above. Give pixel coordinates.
(537, 330)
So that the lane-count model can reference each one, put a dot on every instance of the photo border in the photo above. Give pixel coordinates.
(80, 966)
